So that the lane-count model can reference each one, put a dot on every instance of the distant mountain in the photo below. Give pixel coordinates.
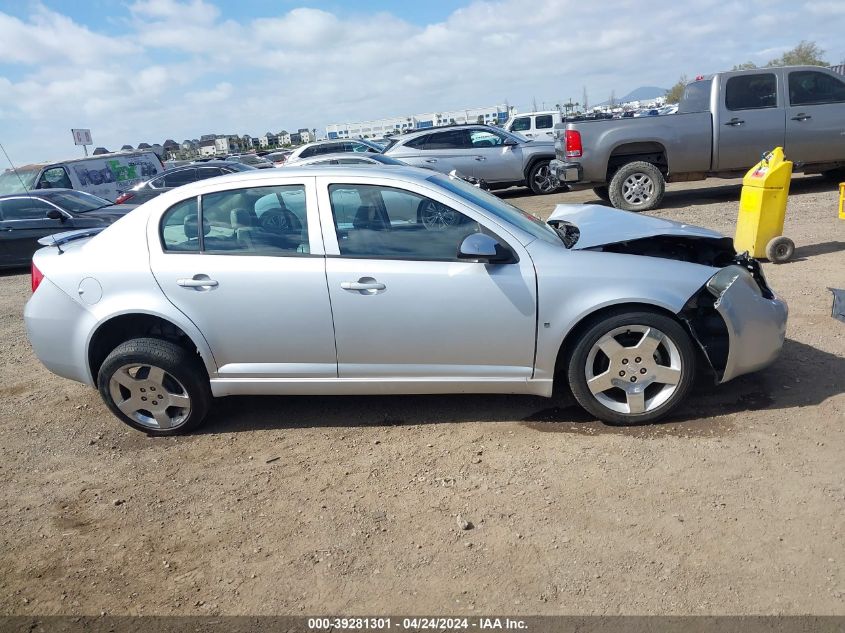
(643, 93)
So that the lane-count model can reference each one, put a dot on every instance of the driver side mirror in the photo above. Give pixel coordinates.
(509, 142)
(480, 247)
(55, 214)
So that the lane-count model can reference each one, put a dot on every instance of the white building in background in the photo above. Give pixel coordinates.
(306, 135)
(381, 127)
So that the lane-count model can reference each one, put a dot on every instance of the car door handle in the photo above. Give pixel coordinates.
(197, 281)
(801, 117)
(480, 158)
(735, 122)
(365, 285)
(431, 160)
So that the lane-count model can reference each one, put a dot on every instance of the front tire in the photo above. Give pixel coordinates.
(637, 186)
(155, 386)
(632, 367)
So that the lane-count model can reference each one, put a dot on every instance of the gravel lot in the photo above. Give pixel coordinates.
(350, 505)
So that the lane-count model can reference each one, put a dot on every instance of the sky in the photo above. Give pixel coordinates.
(147, 70)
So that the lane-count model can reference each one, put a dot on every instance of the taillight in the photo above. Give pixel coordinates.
(37, 277)
(124, 197)
(572, 138)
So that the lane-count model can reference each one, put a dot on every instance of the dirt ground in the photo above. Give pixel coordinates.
(349, 505)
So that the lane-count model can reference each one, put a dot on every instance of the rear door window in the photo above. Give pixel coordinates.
(810, 87)
(256, 220)
(208, 172)
(179, 232)
(452, 139)
(751, 92)
(544, 122)
(180, 177)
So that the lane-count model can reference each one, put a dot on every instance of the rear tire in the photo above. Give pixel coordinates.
(602, 193)
(632, 367)
(637, 186)
(836, 175)
(155, 386)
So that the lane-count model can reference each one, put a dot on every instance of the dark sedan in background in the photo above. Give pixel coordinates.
(179, 176)
(27, 217)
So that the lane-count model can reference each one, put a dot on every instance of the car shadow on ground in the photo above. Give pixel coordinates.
(802, 376)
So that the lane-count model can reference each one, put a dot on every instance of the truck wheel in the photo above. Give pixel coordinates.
(602, 193)
(637, 186)
(540, 178)
(155, 386)
(632, 367)
(780, 250)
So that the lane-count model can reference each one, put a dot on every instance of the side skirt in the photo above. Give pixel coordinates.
(375, 386)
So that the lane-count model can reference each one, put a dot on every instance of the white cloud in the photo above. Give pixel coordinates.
(49, 38)
(181, 68)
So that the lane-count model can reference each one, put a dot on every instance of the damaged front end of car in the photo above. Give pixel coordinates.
(735, 317)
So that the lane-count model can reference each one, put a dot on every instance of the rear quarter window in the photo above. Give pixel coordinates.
(696, 96)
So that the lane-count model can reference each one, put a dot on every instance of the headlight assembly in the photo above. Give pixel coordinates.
(723, 279)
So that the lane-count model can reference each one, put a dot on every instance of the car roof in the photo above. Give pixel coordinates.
(84, 158)
(445, 128)
(36, 193)
(336, 156)
(256, 175)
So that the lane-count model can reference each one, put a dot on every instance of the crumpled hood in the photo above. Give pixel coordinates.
(599, 225)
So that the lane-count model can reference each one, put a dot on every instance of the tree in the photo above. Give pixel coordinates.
(674, 94)
(745, 66)
(805, 54)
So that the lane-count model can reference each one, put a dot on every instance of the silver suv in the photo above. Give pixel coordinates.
(501, 159)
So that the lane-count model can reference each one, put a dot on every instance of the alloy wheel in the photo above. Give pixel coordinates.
(633, 369)
(543, 179)
(149, 395)
(638, 188)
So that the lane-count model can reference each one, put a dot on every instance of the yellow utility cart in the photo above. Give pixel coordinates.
(762, 209)
(842, 200)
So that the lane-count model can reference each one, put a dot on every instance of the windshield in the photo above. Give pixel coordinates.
(77, 201)
(11, 182)
(507, 212)
(516, 135)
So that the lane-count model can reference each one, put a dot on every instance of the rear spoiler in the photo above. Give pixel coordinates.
(57, 239)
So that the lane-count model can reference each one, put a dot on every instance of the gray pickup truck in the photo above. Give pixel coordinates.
(725, 122)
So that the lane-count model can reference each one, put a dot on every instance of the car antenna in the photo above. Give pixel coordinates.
(26, 189)
(23, 184)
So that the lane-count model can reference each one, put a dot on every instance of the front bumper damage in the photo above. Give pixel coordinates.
(756, 327)
(742, 329)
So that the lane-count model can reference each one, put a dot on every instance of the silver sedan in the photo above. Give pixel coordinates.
(336, 280)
